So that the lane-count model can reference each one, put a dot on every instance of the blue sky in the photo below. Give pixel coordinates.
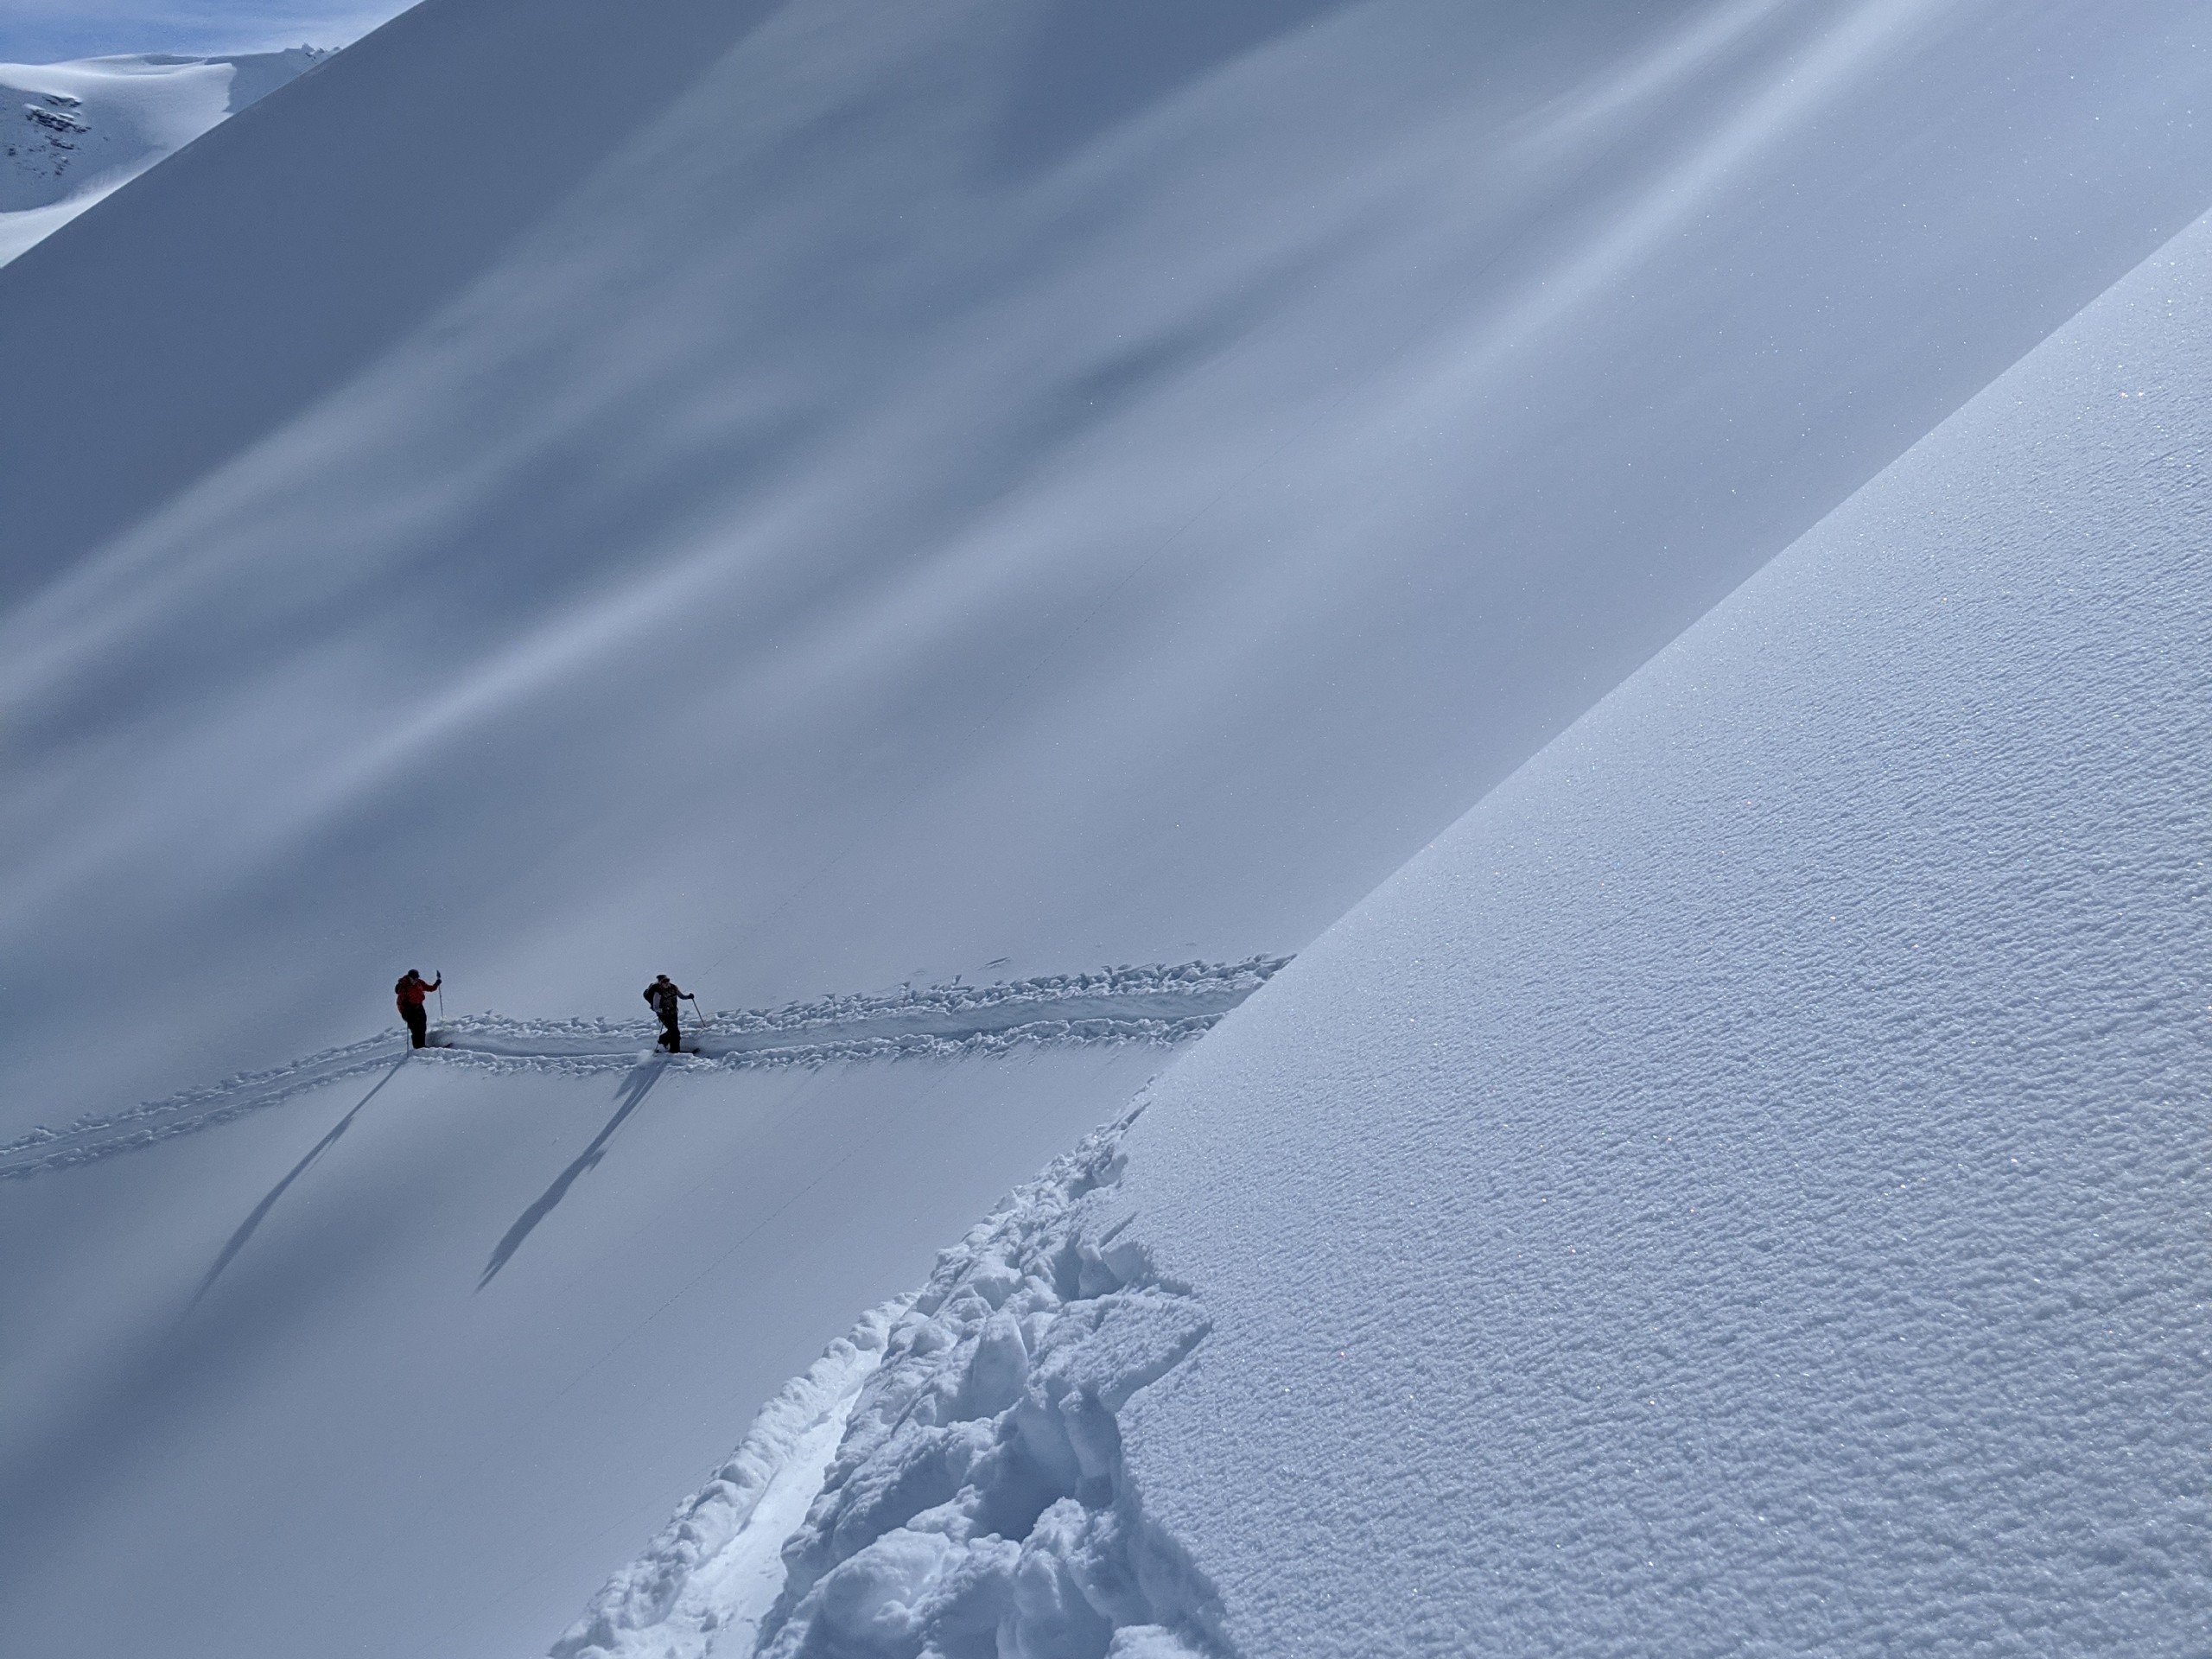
(45, 31)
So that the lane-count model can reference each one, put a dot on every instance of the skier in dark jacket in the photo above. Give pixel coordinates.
(663, 995)
(410, 992)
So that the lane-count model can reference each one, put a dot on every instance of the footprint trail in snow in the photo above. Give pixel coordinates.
(1156, 1004)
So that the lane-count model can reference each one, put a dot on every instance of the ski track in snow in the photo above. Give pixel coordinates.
(1155, 1003)
(977, 1500)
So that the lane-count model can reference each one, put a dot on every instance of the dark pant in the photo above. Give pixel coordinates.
(418, 1024)
(672, 1035)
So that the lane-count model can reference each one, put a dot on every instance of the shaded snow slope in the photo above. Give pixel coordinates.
(1743, 1188)
(407, 1368)
(70, 133)
(815, 495)
(1156, 1004)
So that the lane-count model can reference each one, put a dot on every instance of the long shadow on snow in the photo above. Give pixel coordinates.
(640, 1085)
(261, 1210)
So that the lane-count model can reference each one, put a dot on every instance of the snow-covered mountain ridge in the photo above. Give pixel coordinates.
(1743, 1187)
(72, 133)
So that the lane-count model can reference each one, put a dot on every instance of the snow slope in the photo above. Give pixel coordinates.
(815, 495)
(409, 1363)
(1743, 1187)
(74, 132)
(810, 497)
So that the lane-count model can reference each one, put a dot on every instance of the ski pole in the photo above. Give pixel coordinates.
(442, 996)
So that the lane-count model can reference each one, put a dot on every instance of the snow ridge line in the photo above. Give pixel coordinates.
(978, 1501)
(1157, 1003)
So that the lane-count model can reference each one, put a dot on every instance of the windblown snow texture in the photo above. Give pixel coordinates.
(978, 1503)
(1743, 1189)
(1151, 1004)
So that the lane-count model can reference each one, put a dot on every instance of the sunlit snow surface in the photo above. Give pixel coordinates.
(71, 133)
(1743, 1188)
(828, 495)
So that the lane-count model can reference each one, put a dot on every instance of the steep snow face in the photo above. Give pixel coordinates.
(1743, 1188)
(70, 133)
(815, 495)
(823, 494)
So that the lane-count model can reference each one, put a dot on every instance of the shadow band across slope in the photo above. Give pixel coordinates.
(1156, 1004)
(257, 303)
(1089, 68)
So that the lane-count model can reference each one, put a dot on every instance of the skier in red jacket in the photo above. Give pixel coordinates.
(410, 991)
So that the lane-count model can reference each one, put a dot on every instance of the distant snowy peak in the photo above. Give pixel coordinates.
(70, 133)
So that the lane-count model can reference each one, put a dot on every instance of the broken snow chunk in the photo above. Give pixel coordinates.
(993, 1280)
(909, 1591)
(917, 1333)
(997, 1370)
(872, 1599)
(1051, 1614)
(979, 1503)
(1149, 1642)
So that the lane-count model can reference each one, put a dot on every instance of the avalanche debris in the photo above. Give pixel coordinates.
(978, 1503)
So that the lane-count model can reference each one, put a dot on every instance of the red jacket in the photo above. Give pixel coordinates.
(413, 989)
